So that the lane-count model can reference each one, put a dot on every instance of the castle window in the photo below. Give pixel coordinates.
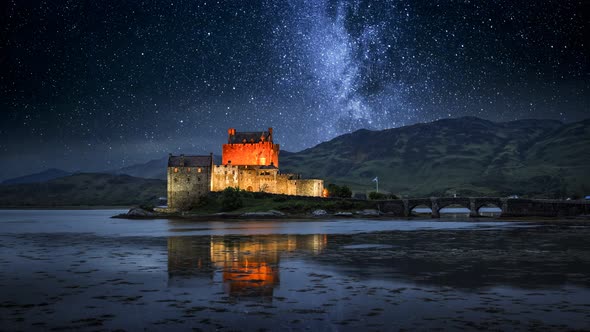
(199, 170)
(188, 169)
(188, 179)
(175, 169)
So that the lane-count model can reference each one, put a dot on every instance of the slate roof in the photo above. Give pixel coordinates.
(190, 161)
(249, 137)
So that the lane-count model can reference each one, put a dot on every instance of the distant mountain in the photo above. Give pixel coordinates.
(46, 175)
(466, 156)
(153, 169)
(90, 189)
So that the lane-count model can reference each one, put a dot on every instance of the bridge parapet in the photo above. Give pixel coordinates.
(509, 207)
(545, 208)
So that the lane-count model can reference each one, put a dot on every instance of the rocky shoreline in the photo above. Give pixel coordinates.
(139, 213)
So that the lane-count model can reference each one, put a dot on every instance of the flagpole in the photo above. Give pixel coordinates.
(376, 179)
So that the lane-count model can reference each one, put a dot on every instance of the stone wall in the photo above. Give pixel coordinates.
(285, 184)
(225, 176)
(262, 153)
(256, 179)
(309, 187)
(186, 186)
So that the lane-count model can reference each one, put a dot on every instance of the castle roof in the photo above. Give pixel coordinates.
(250, 137)
(190, 161)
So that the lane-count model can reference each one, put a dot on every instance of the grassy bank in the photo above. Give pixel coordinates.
(242, 201)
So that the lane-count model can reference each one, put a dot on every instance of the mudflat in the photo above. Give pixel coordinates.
(319, 275)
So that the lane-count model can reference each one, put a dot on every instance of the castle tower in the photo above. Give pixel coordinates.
(189, 179)
(250, 148)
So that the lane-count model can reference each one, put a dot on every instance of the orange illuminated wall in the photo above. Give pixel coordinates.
(252, 149)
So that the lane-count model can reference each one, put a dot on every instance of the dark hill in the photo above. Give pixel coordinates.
(467, 156)
(153, 169)
(90, 189)
(46, 175)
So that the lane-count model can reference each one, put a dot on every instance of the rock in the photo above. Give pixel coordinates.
(276, 213)
(319, 212)
(139, 212)
(163, 209)
(343, 214)
(369, 212)
(271, 213)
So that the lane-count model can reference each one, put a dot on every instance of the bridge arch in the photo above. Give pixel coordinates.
(497, 209)
(413, 210)
(483, 202)
(411, 204)
(443, 202)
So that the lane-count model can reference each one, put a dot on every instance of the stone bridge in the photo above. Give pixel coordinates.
(510, 207)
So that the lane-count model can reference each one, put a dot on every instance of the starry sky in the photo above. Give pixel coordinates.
(94, 85)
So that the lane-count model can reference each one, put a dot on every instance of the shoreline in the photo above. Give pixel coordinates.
(308, 217)
(73, 207)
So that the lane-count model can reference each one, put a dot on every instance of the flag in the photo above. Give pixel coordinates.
(376, 179)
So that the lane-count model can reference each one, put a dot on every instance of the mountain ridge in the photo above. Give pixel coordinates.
(84, 189)
(465, 156)
(45, 175)
(455, 156)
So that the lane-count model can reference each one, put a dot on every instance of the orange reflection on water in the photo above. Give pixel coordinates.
(247, 265)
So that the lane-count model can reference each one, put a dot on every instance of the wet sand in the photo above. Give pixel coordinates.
(253, 276)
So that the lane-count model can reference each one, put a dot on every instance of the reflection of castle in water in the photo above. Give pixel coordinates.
(247, 265)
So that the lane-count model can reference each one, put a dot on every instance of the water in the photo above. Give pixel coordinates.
(83, 270)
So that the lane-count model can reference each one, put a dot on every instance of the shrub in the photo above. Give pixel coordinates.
(231, 199)
(204, 201)
(258, 194)
(339, 191)
(373, 195)
(280, 199)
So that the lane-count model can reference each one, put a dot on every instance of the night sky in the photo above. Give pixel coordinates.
(94, 85)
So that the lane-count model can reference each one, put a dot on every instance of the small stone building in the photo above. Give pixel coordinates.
(249, 161)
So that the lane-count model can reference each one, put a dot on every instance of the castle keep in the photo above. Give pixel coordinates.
(250, 161)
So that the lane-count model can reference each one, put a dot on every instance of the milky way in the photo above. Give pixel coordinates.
(99, 85)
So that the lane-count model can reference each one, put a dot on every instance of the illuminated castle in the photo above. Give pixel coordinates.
(250, 161)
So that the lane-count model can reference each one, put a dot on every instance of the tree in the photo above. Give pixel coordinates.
(338, 191)
(373, 195)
